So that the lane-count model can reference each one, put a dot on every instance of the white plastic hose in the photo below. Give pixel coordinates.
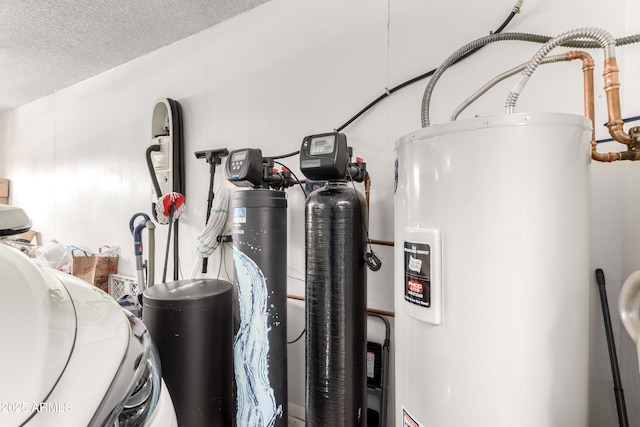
(208, 238)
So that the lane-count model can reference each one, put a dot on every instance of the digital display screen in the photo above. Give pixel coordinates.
(239, 156)
(322, 145)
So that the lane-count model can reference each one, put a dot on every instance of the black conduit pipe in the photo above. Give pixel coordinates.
(613, 357)
(388, 92)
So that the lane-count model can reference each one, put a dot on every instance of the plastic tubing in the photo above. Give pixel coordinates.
(604, 39)
(534, 38)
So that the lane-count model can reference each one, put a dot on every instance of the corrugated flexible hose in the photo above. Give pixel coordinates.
(527, 37)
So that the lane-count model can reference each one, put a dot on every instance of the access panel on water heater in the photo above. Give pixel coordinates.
(422, 275)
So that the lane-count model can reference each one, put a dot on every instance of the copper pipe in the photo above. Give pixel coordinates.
(381, 312)
(295, 297)
(369, 310)
(589, 109)
(603, 157)
(381, 242)
(612, 88)
(367, 192)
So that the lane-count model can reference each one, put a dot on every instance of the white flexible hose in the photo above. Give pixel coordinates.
(208, 238)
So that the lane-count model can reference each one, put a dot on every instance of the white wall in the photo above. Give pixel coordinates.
(291, 68)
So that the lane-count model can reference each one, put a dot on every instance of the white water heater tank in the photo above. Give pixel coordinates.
(492, 272)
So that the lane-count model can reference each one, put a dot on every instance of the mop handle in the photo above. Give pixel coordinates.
(166, 255)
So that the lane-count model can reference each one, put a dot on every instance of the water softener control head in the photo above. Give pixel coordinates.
(324, 157)
(244, 167)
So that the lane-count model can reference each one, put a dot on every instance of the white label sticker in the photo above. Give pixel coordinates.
(371, 361)
(240, 215)
(415, 264)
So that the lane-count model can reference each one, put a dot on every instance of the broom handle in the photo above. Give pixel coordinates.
(166, 254)
(176, 252)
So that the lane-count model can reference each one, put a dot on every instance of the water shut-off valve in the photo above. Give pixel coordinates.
(634, 145)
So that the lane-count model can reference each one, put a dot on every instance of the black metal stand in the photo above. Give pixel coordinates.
(382, 392)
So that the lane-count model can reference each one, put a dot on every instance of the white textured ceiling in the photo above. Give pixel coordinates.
(46, 45)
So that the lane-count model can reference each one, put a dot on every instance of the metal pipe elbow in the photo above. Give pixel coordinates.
(617, 132)
(604, 157)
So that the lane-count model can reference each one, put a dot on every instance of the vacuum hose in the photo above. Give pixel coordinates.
(154, 178)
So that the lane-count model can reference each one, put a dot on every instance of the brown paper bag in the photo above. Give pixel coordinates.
(93, 268)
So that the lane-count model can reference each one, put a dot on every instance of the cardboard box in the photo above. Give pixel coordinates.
(4, 187)
(4, 200)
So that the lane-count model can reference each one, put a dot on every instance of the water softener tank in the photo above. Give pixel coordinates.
(260, 346)
(492, 272)
(191, 323)
(336, 305)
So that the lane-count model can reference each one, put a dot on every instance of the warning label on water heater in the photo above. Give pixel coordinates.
(417, 272)
(408, 420)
